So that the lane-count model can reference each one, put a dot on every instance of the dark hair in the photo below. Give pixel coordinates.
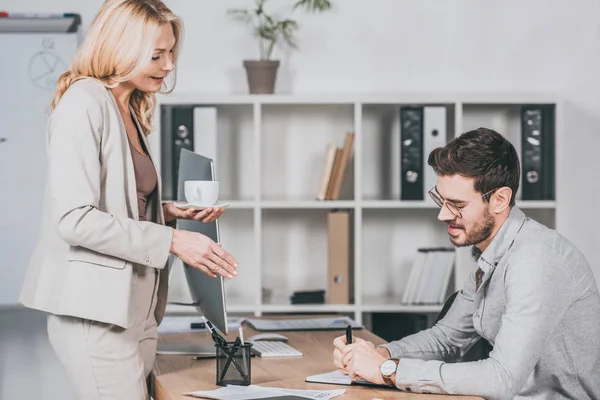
(482, 154)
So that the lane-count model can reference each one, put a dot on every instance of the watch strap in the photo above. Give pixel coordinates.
(388, 379)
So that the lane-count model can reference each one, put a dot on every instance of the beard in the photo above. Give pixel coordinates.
(480, 231)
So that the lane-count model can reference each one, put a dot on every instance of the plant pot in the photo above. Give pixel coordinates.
(261, 75)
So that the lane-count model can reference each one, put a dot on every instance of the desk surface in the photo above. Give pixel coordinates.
(174, 375)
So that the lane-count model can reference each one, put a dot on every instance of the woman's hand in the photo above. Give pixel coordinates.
(201, 252)
(206, 215)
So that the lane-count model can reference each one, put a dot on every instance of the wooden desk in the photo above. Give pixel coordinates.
(174, 375)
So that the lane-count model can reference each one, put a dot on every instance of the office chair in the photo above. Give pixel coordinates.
(446, 307)
(480, 350)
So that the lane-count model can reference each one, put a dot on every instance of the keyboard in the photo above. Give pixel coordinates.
(310, 324)
(273, 348)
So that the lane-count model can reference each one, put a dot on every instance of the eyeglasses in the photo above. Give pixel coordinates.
(453, 208)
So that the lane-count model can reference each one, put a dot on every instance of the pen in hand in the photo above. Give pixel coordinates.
(349, 334)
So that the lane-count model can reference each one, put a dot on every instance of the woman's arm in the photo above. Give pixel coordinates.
(75, 134)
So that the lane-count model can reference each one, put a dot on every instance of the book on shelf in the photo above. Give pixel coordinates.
(330, 157)
(429, 276)
(334, 170)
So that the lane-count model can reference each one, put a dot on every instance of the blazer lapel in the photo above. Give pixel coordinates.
(130, 184)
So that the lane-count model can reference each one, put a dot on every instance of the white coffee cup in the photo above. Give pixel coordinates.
(201, 192)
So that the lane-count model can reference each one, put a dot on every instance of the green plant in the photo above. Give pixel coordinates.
(269, 29)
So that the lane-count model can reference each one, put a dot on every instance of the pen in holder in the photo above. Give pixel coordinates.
(233, 363)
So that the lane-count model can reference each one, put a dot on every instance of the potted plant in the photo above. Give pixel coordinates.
(269, 29)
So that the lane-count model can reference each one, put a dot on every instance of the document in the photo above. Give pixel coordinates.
(234, 392)
(337, 377)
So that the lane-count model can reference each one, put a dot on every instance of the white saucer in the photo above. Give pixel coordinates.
(185, 206)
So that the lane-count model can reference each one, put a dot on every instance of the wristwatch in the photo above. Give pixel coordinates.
(388, 369)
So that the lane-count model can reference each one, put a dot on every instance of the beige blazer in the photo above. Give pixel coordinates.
(91, 233)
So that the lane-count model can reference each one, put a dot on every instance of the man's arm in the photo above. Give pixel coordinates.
(537, 297)
(451, 337)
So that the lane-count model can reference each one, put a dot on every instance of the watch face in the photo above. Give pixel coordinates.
(388, 368)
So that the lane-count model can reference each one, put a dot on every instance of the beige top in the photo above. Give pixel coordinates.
(145, 177)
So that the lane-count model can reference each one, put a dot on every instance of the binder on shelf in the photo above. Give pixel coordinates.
(411, 153)
(340, 281)
(434, 136)
(537, 133)
(185, 127)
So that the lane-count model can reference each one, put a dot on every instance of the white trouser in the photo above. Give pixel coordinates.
(104, 361)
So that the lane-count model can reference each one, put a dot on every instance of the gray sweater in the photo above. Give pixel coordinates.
(538, 306)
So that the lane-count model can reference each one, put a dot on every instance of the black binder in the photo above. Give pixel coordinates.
(537, 132)
(411, 153)
(177, 132)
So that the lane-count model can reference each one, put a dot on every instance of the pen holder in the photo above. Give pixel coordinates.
(233, 364)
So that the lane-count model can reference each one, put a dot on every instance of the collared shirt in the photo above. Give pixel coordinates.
(539, 307)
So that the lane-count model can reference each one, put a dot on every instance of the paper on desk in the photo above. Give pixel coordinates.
(337, 377)
(234, 392)
(182, 324)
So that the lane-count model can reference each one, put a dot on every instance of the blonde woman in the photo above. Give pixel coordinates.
(99, 267)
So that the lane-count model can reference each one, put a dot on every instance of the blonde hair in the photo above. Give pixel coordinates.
(119, 44)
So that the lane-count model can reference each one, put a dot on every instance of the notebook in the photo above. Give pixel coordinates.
(337, 377)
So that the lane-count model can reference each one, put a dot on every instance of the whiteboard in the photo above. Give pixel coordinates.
(30, 64)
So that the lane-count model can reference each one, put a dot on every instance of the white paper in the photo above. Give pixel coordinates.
(336, 377)
(234, 392)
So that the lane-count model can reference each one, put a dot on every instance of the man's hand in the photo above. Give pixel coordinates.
(360, 360)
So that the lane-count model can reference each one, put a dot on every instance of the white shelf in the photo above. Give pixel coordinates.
(390, 304)
(393, 204)
(365, 204)
(173, 309)
(321, 308)
(305, 204)
(361, 98)
(276, 151)
(428, 204)
(240, 204)
(402, 308)
(541, 204)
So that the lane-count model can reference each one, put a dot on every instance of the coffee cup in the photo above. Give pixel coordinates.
(201, 192)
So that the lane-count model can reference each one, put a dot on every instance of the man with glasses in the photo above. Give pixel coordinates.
(533, 296)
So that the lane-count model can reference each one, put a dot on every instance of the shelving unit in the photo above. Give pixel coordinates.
(271, 150)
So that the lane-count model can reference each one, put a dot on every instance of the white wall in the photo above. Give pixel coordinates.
(419, 45)
(28, 367)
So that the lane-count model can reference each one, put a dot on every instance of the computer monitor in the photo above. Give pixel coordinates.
(207, 293)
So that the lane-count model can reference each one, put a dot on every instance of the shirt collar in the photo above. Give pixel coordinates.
(502, 241)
